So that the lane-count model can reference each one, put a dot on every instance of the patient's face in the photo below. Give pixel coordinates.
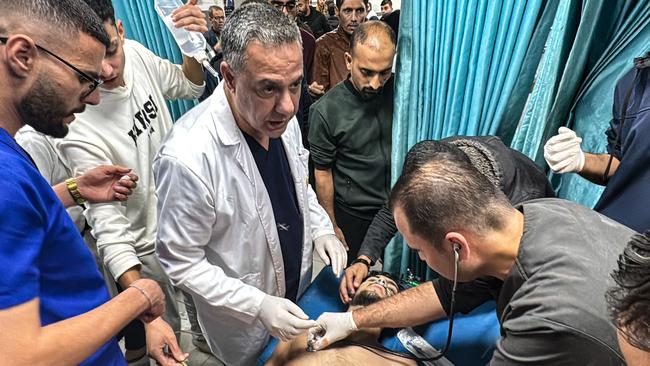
(373, 289)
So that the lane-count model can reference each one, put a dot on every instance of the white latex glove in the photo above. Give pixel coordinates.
(331, 250)
(332, 327)
(563, 153)
(283, 319)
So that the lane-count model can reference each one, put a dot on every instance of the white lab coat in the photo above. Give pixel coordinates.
(217, 235)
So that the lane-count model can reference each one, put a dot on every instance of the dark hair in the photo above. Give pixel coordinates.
(629, 301)
(331, 9)
(387, 2)
(446, 193)
(425, 150)
(339, 3)
(104, 9)
(69, 17)
(213, 8)
(375, 28)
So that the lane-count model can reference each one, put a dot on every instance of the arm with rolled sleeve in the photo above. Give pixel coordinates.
(185, 220)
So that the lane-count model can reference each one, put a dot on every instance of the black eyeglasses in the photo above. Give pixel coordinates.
(94, 83)
(279, 5)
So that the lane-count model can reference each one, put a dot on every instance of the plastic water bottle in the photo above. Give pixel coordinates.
(192, 44)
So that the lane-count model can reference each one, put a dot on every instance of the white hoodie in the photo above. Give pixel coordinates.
(126, 129)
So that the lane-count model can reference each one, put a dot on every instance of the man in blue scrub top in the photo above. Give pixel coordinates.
(624, 169)
(54, 307)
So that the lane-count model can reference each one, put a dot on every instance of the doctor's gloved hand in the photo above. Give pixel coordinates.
(331, 250)
(332, 327)
(563, 153)
(283, 319)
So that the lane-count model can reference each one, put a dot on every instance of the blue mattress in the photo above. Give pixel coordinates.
(474, 335)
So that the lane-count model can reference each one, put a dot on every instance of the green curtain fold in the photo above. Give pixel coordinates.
(142, 24)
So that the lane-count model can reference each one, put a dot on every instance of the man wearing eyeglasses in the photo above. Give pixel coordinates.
(54, 306)
(218, 19)
(330, 67)
(127, 128)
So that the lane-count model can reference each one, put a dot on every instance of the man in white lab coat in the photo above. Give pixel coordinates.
(238, 220)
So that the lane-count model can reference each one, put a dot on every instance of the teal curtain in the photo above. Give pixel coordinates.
(591, 44)
(142, 24)
(458, 65)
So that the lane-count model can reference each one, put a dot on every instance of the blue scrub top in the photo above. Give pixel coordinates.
(276, 174)
(626, 197)
(42, 254)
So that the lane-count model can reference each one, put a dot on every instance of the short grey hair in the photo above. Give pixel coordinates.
(255, 22)
(67, 17)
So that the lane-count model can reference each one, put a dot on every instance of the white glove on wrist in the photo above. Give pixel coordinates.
(331, 250)
(332, 327)
(283, 319)
(563, 153)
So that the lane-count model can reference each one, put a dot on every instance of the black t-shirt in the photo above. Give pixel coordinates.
(276, 174)
(316, 22)
(551, 306)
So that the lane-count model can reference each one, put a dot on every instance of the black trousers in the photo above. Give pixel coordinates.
(354, 229)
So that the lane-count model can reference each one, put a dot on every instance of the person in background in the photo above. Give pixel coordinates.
(515, 174)
(54, 306)
(332, 16)
(330, 67)
(629, 300)
(289, 8)
(623, 170)
(386, 7)
(127, 128)
(371, 15)
(313, 18)
(350, 136)
(217, 20)
(241, 234)
(321, 6)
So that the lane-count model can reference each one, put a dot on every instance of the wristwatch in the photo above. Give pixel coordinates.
(71, 183)
(361, 260)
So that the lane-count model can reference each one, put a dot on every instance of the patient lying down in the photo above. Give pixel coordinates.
(350, 351)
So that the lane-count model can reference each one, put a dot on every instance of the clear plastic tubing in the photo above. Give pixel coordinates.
(191, 44)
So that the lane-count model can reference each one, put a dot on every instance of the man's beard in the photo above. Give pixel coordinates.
(365, 298)
(43, 108)
(369, 93)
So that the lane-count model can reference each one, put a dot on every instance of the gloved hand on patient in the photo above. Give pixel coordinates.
(332, 327)
(331, 250)
(563, 153)
(283, 319)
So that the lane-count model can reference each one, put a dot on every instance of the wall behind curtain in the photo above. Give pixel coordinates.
(590, 46)
(457, 67)
(141, 23)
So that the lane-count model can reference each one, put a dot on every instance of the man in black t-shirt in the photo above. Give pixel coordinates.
(314, 19)
(545, 262)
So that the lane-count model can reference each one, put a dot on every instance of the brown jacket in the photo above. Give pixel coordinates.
(329, 62)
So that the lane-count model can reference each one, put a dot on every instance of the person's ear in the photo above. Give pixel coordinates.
(458, 242)
(228, 76)
(120, 30)
(20, 53)
(348, 60)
